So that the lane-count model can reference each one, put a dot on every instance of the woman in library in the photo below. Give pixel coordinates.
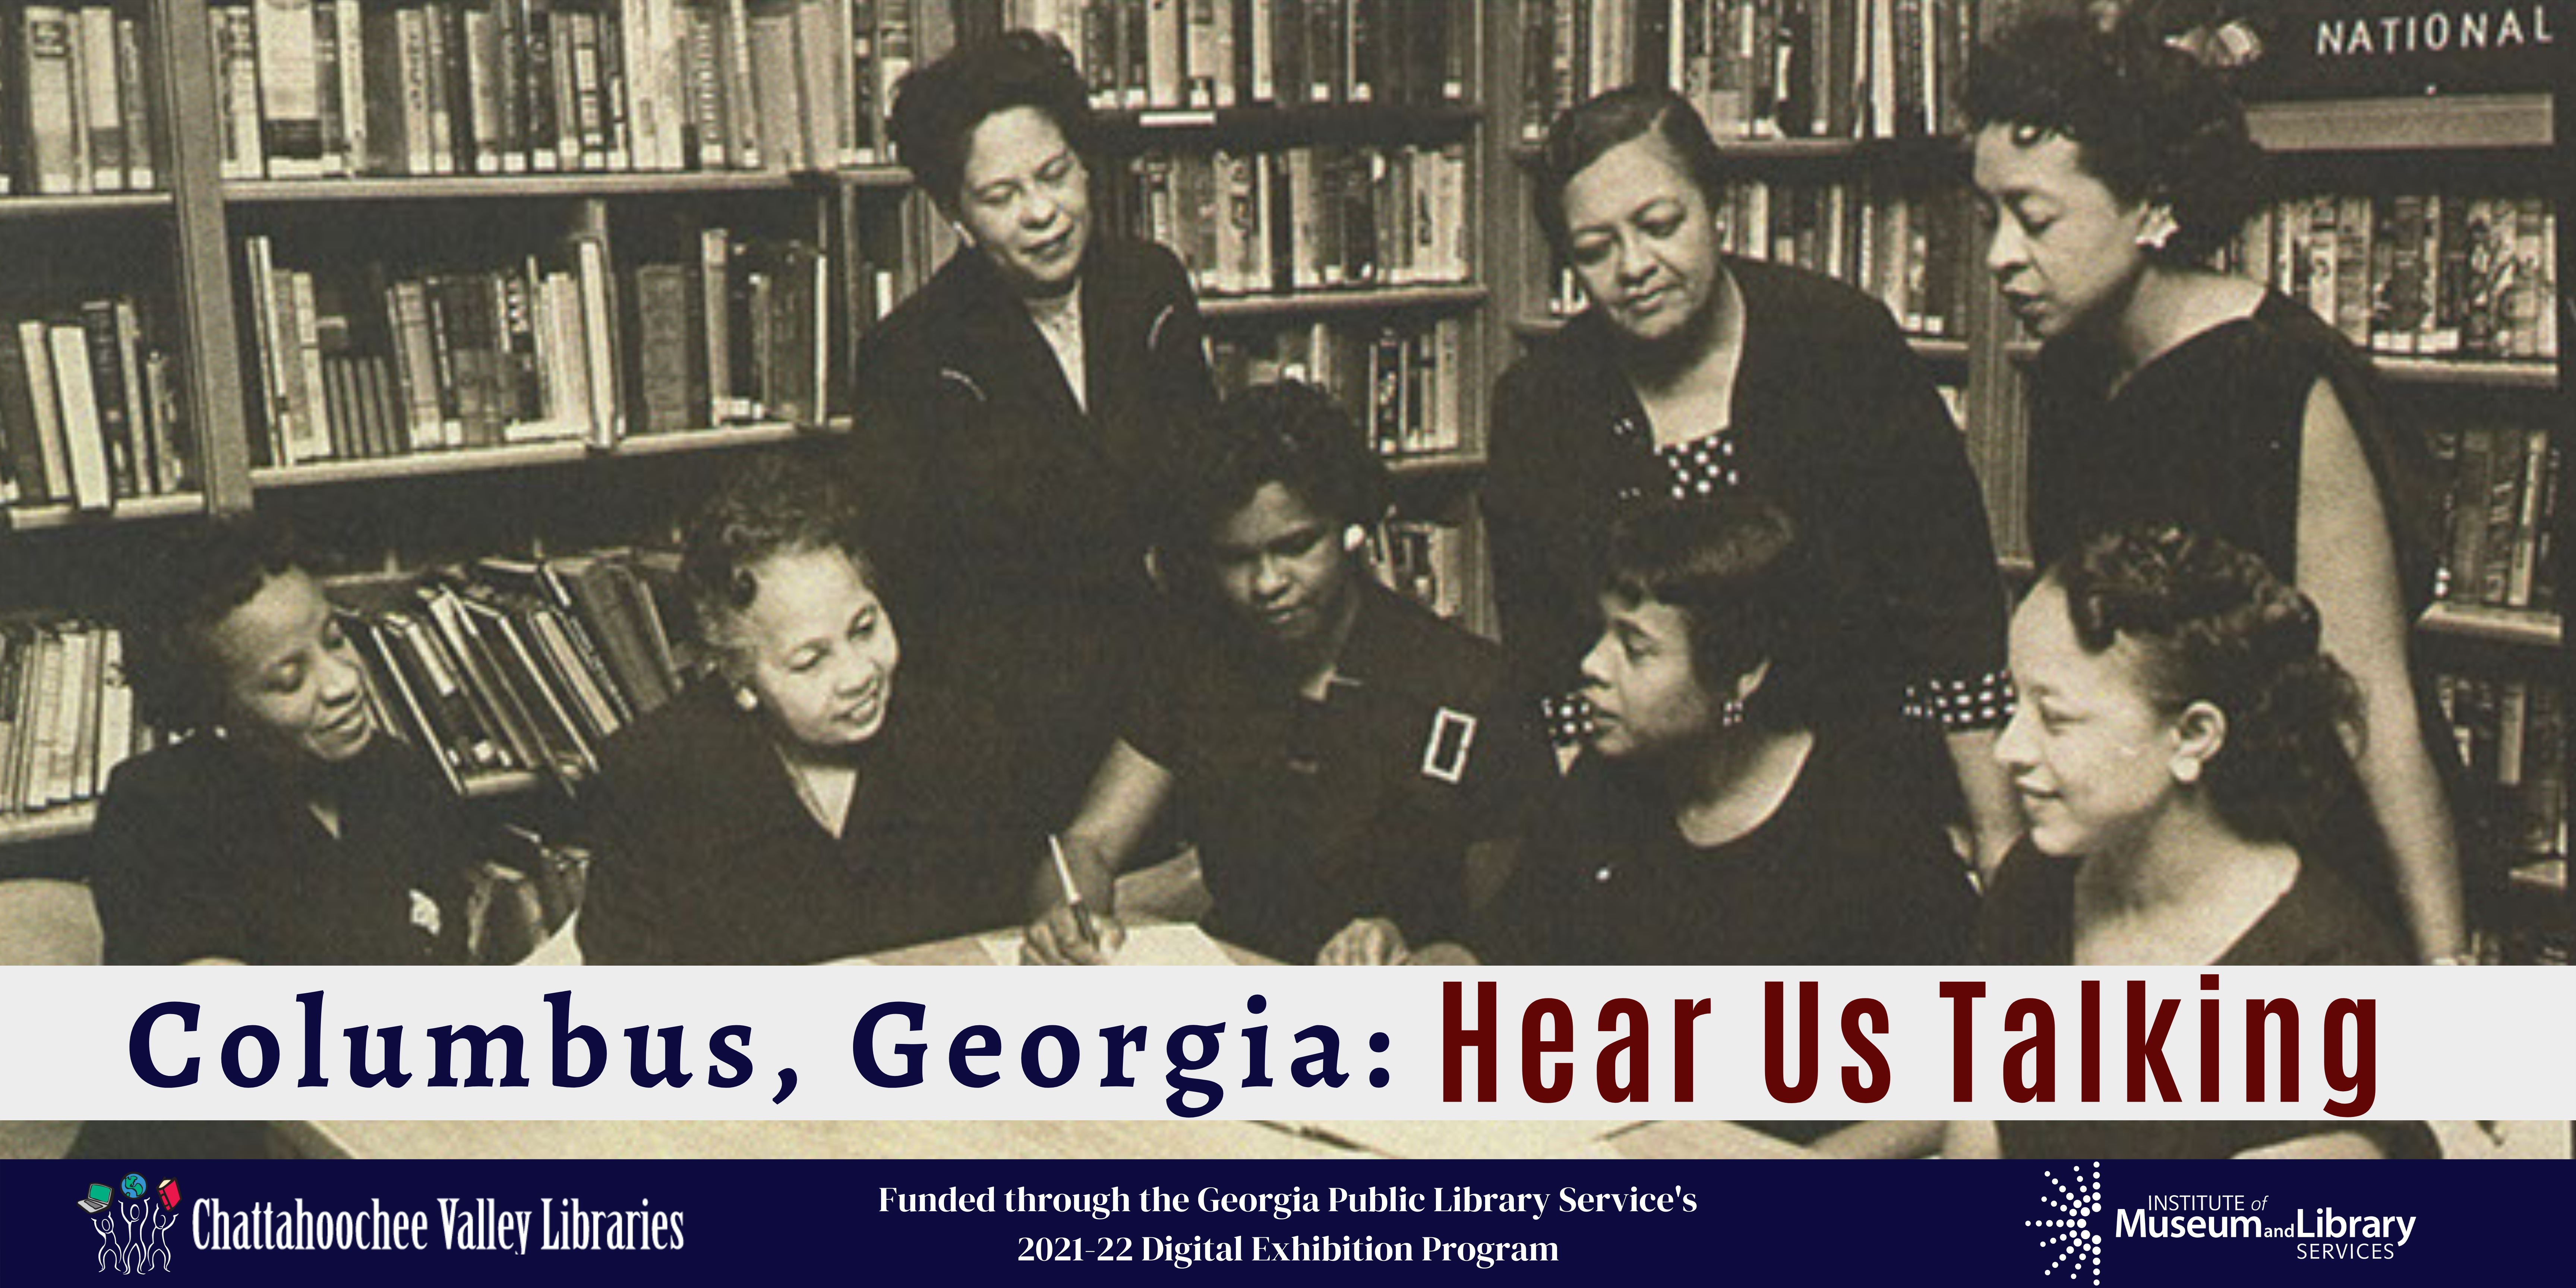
(2181, 750)
(1017, 416)
(798, 805)
(1695, 373)
(2112, 166)
(284, 828)
(1720, 815)
(1335, 750)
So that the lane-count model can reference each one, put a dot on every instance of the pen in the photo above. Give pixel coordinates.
(1072, 896)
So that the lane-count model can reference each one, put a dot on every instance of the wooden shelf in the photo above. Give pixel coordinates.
(57, 207)
(705, 440)
(1434, 465)
(2470, 372)
(510, 186)
(2519, 627)
(2460, 122)
(421, 464)
(515, 456)
(30, 518)
(868, 176)
(51, 825)
(1809, 151)
(1280, 123)
(1340, 300)
(509, 782)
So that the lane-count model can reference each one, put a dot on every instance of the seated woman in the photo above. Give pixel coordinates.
(1335, 749)
(284, 828)
(798, 805)
(1722, 815)
(2181, 754)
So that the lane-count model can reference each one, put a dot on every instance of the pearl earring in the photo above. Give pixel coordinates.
(746, 699)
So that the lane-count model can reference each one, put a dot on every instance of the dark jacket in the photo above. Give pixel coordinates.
(202, 850)
(705, 853)
(1009, 523)
(1835, 421)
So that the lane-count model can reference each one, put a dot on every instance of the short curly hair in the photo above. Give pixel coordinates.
(1593, 127)
(2149, 121)
(936, 108)
(767, 507)
(2211, 623)
(1286, 432)
(184, 590)
(1739, 571)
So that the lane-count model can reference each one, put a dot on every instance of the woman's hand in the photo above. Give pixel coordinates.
(1056, 937)
(1367, 941)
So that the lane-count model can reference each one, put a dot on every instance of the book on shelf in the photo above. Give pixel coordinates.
(74, 102)
(89, 414)
(2415, 273)
(1199, 55)
(362, 361)
(67, 715)
(1756, 69)
(1428, 562)
(1303, 218)
(340, 88)
(2501, 509)
(1404, 385)
(513, 666)
(2512, 736)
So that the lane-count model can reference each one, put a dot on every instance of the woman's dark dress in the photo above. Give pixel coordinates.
(1834, 420)
(1011, 522)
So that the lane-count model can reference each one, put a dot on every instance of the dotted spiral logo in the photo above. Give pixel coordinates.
(2072, 1233)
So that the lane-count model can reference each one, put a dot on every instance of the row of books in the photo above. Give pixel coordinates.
(90, 409)
(67, 716)
(1909, 249)
(2512, 735)
(2429, 273)
(1756, 69)
(515, 666)
(365, 362)
(74, 104)
(2503, 516)
(1304, 218)
(1404, 385)
(1150, 54)
(1429, 562)
(319, 88)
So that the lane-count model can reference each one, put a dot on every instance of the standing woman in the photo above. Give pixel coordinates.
(1695, 373)
(2167, 392)
(1018, 415)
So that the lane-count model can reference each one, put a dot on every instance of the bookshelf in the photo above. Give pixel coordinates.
(380, 146)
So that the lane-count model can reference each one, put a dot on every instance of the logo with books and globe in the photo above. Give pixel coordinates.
(133, 1221)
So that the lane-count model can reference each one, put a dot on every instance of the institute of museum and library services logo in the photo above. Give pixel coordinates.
(133, 1222)
(2068, 1236)
(2074, 1244)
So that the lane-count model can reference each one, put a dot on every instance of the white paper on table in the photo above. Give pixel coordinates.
(1171, 944)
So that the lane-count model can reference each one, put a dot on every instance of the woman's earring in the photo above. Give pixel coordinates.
(1730, 713)
(1353, 537)
(2187, 772)
(2159, 231)
(744, 698)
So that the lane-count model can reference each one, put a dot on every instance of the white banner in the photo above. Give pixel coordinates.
(1284, 1043)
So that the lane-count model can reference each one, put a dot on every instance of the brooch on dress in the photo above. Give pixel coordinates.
(424, 912)
(1444, 754)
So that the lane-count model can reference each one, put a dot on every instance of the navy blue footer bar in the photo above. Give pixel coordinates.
(2083, 1222)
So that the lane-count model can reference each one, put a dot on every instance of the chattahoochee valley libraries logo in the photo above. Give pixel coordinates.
(2070, 1235)
(133, 1221)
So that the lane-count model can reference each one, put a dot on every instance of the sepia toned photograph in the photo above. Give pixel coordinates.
(1365, 483)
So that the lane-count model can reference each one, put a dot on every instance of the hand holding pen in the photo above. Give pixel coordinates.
(1074, 928)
